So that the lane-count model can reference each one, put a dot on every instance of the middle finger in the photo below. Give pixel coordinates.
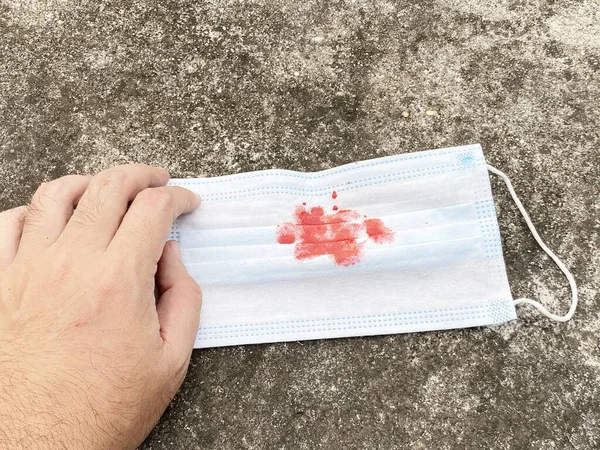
(105, 202)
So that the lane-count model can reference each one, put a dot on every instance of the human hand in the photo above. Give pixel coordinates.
(88, 358)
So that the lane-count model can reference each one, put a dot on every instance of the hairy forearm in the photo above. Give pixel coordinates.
(42, 405)
(31, 415)
(34, 419)
(45, 407)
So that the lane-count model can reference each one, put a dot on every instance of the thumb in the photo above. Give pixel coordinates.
(179, 303)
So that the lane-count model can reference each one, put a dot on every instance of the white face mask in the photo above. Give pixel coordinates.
(392, 245)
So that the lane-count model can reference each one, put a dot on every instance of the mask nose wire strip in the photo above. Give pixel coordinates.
(549, 252)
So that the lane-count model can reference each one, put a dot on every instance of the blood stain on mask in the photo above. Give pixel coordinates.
(378, 231)
(342, 234)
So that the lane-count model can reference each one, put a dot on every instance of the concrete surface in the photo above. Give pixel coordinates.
(217, 87)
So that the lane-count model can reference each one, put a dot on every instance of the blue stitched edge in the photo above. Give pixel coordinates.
(343, 187)
(438, 312)
(497, 310)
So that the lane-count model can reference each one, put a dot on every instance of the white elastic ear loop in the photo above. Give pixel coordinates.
(549, 252)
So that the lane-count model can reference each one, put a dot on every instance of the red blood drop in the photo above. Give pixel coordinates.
(334, 195)
(378, 231)
(286, 234)
(335, 208)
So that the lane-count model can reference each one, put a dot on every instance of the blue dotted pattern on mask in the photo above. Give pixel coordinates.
(501, 311)
(432, 318)
(342, 187)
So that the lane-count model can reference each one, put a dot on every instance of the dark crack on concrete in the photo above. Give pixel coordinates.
(210, 88)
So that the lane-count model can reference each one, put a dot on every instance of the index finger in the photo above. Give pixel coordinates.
(146, 226)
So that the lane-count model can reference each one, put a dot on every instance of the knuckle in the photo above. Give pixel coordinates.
(102, 187)
(113, 284)
(46, 194)
(14, 215)
(45, 190)
(62, 270)
(85, 215)
(156, 197)
(142, 232)
(33, 214)
(67, 179)
(91, 209)
(57, 189)
(112, 177)
(139, 166)
(46, 187)
(107, 289)
(101, 178)
(71, 181)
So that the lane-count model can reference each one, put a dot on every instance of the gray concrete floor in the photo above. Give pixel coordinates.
(217, 87)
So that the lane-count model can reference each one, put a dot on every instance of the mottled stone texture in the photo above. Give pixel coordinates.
(217, 87)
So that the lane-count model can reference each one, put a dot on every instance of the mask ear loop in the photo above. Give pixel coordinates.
(549, 252)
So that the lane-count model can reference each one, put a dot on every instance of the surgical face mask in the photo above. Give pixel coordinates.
(399, 244)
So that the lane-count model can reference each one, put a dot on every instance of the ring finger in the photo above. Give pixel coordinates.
(51, 208)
